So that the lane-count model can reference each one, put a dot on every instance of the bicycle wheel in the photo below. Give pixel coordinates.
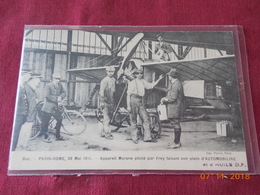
(74, 122)
(155, 125)
(36, 128)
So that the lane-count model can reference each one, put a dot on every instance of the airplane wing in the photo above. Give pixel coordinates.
(220, 40)
(215, 69)
(93, 75)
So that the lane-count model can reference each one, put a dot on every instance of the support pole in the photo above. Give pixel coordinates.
(150, 54)
(70, 84)
(114, 45)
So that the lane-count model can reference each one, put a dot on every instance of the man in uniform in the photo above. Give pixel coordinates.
(135, 105)
(54, 93)
(175, 104)
(106, 95)
(21, 108)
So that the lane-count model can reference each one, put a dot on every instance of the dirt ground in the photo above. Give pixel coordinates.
(196, 136)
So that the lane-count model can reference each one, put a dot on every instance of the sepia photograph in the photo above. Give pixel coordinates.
(127, 100)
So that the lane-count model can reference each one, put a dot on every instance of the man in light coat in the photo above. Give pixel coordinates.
(175, 104)
(106, 97)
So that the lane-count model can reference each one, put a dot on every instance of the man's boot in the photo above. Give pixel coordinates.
(177, 138)
(177, 134)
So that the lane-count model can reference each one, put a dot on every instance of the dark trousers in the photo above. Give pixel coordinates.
(19, 121)
(45, 122)
(138, 109)
(175, 123)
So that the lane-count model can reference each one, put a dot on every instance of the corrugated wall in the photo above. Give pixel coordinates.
(83, 90)
(46, 63)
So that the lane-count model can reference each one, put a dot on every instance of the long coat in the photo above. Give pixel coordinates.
(107, 90)
(22, 102)
(176, 102)
(52, 92)
(31, 98)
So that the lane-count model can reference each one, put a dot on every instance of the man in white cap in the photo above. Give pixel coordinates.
(106, 96)
(54, 93)
(135, 105)
(21, 108)
(175, 104)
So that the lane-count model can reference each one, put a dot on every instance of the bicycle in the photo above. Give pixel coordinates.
(73, 122)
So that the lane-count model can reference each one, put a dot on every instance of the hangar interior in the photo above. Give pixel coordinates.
(206, 63)
(48, 51)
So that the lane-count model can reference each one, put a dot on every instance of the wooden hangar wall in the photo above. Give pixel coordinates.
(46, 63)
(49, 51)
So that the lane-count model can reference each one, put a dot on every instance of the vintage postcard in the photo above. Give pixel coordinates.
(125, 99)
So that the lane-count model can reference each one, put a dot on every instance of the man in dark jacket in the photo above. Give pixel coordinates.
(30, 89)
(54, 93)
(21, 108)
(175, 104)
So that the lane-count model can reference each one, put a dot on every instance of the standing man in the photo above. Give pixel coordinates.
(175, 103)
(21, 108)
(54, 93)
(135, 105)
(106, 95)
(30, 89)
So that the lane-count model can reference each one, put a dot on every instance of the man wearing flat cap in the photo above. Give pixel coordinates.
(106, 97)
(135, 104)
(175, 104)
(54, 93)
